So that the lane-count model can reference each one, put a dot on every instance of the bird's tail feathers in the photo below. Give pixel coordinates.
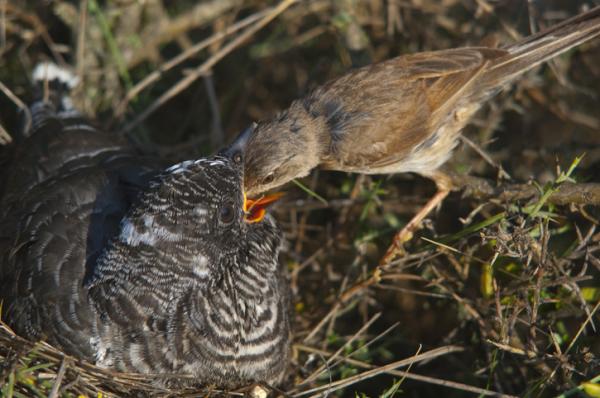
(542, 46)
(52, 87)
(50, 72)
(53, 84)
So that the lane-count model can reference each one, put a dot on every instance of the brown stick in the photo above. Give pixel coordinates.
(568, 193)
(206, 66)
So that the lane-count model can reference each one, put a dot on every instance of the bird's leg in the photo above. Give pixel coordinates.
(444, 186)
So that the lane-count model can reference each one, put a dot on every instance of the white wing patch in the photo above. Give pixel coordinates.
(180, 167)
(183, 166)
(200, 266)
(153, 234)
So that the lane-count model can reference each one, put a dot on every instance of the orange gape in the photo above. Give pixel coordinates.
(255, 209)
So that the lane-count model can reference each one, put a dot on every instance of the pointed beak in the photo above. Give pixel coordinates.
(255, 209)
(237, 149)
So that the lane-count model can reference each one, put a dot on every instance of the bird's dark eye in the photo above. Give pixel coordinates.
(268, 179)
(227, 213)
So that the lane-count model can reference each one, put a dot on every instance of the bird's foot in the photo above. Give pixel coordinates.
(396, 248)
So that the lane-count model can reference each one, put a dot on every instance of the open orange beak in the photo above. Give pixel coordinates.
(255, 209)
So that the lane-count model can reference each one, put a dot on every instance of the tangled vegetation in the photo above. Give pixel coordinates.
(498, 294)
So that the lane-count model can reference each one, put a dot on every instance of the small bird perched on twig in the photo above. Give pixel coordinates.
(112, 258)
(401, 115)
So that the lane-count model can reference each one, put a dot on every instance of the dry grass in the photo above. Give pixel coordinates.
(500, 292)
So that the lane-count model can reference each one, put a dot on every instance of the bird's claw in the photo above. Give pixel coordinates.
(396, 248)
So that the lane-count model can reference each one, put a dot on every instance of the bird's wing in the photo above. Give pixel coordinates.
(66, 190)
(379, 124)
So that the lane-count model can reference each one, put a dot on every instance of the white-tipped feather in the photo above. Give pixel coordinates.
(49, 71)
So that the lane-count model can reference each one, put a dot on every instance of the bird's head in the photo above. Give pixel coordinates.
(194, 222)
(275, 151)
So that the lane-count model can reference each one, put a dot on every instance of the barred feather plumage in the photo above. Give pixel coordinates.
(114, 259)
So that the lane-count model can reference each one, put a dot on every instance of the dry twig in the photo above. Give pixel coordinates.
(206, 66)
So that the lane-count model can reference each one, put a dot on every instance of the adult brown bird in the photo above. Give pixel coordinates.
(402, 115)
